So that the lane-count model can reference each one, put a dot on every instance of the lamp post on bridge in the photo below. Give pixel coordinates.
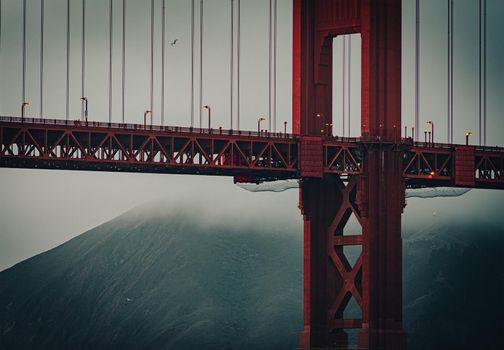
(425, 134)
(84, 101)
(23, 107)
(467, 134)
(431, 123)
(209, 114)
(285, 128)
(147, 112)
(261, 119)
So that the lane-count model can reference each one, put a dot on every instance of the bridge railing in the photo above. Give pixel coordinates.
(149, 127)
(220, 131)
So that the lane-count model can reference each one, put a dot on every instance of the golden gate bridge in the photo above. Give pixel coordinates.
(340, 176)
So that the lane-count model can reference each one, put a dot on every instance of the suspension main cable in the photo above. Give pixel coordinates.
(231, 66)
(152, 62)
(201, 66)
(238, 37)
(67, 104)
(24, 53)
(163, 14)
(41, 83)
(123, 71)
(111, 33)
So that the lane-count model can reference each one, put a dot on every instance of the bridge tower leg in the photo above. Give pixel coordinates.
(376, 197)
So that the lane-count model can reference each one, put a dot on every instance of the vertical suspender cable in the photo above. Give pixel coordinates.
(482, 72)
(83, 48)
(192, 63)
(480, 137)
(269, 66)
(231, 66)
(152, 62)
(67, 108)
(275, 30)
(417, 69)
(343, 92)
(238, 37)
(449, 71)
(123, 71)
(41, 83)
(201, 66)
(349, 80)
(111, 33)
(0, 25)
(24, 53)
(163, 20)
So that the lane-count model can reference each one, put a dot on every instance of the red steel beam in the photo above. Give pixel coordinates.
(73, 145)
(59, 144)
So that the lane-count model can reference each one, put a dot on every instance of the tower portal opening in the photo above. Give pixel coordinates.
(346, 85)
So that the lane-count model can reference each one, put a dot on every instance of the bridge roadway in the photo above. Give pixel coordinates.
(98, 146)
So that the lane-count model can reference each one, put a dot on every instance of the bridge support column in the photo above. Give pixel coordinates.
(329, 279)
(374, 281)
(381, 201)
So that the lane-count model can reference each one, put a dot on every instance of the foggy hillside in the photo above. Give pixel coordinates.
(175, 280)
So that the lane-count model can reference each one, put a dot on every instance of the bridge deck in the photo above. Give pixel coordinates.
(78, 145)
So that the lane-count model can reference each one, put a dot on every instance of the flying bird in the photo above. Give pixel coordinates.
(174, 42)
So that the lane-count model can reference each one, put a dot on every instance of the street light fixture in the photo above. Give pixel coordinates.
(209, 114)
(147, 112)
(285, 128)
(425, 134)
(467, 134)
(432, 128)
(261, 119)
(23, 107)
(84, 101)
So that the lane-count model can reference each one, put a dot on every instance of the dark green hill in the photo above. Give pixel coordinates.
(176, 281)
(150, 282)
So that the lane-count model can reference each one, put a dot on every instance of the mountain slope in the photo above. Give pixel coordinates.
(156, 280)
(151, 282)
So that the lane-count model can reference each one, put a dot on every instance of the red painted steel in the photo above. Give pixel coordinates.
(365, 177)
(465, 167)
(60, 144)
(311, 157)
(128, 147)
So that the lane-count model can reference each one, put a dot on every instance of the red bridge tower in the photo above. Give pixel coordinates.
(376, 197)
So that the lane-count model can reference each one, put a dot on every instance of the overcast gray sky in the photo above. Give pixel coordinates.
(41, 209)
